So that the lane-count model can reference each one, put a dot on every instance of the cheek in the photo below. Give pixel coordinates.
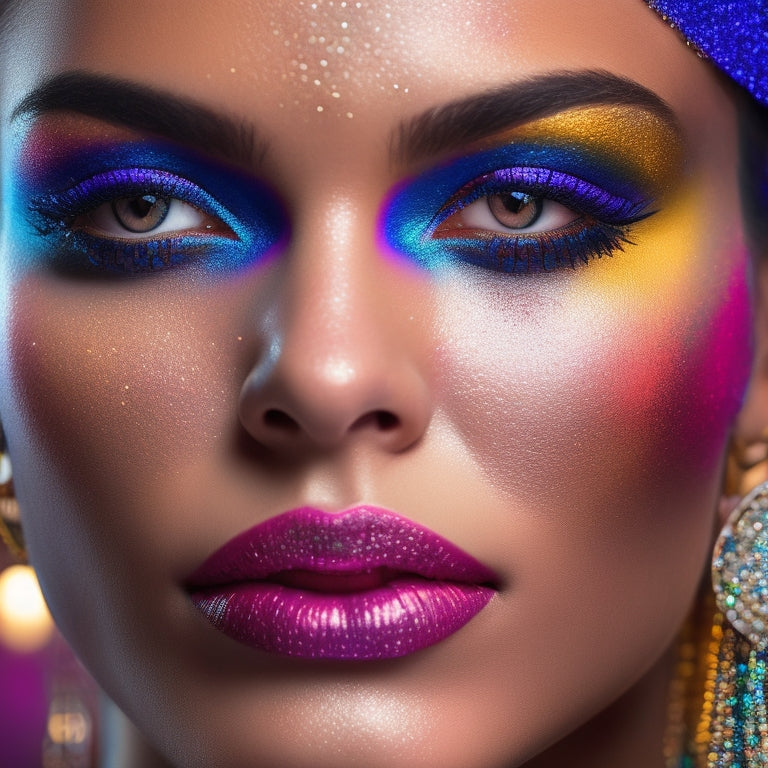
(683, 380)
(626, 373)
(109, 370)
(109, 400)
(597, 404)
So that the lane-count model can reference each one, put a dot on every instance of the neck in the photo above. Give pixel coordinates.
(122, 746)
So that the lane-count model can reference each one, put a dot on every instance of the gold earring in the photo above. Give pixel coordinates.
(10, 524)
(738, 716)
(718, 716)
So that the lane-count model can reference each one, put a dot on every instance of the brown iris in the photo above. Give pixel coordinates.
(142, 213)
(515, 210)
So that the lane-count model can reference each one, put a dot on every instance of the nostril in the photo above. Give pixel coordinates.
(277, 419)
(383, 421)
(386, 420)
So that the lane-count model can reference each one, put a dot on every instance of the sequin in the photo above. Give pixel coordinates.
(740, 569)
(732, 34)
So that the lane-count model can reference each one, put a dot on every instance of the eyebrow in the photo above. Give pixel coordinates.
(465, 121)
(140, 107)
(440, 129)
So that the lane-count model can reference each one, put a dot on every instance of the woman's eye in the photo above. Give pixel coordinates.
(513, 212)
(517, 219)
(145, 215)
(138, 219)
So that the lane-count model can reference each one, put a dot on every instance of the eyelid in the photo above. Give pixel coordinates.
(605, 192)
(249, 215)
(61, 208)
(571, 191)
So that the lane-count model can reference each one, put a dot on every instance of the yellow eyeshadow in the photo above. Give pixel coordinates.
(679, 260)
(637, 140)
(663, 254)
(644, 146)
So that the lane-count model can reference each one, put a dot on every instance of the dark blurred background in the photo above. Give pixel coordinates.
(48, 703)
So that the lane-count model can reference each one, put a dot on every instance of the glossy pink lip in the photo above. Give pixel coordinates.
(361, 584)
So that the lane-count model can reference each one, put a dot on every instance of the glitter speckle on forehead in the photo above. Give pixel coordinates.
(340, 45)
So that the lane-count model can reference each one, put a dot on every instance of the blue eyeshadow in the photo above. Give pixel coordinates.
(607, 196)
(94, 176)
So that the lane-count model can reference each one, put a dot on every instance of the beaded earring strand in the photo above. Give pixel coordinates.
(740, 581)
(718, 716)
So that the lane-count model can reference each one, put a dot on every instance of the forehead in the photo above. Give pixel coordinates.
(331, 62)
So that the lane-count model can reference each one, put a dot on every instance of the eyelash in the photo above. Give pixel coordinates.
(601, 226)
(57, 214)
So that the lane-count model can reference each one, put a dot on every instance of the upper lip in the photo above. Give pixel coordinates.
(354, 541)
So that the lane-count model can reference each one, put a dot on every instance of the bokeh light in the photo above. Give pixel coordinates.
(25, 623)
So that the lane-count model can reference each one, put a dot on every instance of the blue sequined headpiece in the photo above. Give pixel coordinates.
(732, 33)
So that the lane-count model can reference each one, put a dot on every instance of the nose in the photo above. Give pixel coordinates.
(340, 361)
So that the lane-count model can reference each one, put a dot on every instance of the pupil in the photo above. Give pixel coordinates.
(516, 201)
(142, 213)
(515, 210)
(141, 206)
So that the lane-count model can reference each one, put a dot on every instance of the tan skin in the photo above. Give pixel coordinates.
(135, 408)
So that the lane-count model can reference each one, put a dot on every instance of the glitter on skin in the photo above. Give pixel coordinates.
(342, 34)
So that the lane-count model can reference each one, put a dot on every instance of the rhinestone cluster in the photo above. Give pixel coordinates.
(740, 568)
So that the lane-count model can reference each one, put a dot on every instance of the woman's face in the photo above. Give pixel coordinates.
(521, 322)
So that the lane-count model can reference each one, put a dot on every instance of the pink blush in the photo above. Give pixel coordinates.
(690, 394)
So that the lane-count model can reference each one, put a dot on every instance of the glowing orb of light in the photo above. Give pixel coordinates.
(25, 623)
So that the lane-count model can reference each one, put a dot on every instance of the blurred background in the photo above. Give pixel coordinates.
(48, 703)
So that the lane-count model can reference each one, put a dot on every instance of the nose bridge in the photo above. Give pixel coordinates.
(335, 358)
(327, 280)
(328, 315)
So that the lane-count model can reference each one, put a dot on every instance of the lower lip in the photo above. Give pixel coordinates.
(396, 619)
